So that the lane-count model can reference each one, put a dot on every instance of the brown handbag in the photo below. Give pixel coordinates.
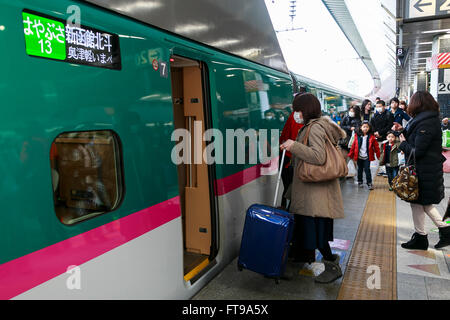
(406, 184)
(335, 165)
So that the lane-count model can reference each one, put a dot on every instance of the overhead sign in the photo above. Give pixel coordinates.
(51, 38)
(425, 8)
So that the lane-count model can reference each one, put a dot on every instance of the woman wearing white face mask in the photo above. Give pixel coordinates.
(350, 123)
(315, 204)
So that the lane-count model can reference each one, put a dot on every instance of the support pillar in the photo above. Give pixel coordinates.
(440, 78)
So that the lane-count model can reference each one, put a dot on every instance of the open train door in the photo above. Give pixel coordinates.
(194, 177)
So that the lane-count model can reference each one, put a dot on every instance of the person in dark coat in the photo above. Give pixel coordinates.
(350, 124)
(398, 113)
(422, 138)
(381, 123)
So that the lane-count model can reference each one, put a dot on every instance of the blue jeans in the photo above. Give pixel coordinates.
(364, 165)
(391, 173)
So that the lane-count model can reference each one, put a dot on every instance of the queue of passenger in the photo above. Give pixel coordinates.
(386, 134)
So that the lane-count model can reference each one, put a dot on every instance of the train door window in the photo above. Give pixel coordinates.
(86, 173)
(194, 185)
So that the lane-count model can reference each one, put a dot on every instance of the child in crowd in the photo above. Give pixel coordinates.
(363, 151)
(389, 157)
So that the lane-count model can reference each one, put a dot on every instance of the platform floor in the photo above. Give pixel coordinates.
(419, 274)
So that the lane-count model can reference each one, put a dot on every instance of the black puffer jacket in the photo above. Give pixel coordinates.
(423, 134)
(382, 123)
(347, 124)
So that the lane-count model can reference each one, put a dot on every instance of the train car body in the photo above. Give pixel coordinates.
(76, 224)
(331, 98)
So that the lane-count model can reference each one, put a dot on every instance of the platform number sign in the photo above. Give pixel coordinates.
(444, 88)
(52, 38)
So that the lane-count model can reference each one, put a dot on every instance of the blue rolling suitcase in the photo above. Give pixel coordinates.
(266, 237)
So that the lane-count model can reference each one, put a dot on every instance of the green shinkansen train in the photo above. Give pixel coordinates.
(92, 204)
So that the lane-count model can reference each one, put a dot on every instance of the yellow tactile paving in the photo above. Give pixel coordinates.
(374, 247)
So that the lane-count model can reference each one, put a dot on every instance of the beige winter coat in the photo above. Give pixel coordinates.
(316, 199)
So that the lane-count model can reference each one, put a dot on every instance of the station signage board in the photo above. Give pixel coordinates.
(52, 38)
(426, 8)
(444, 88)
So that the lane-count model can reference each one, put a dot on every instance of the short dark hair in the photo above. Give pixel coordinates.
(390, 132)
(309, 105)
(422, 101)
(382, 103)
(368, 123)
(394, 100)
(302, 90)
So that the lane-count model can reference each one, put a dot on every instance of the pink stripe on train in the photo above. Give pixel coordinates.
(31, 270)
(24, 273)
(241, 178)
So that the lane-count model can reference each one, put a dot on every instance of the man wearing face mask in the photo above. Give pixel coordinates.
(381, 122)
(290, 131)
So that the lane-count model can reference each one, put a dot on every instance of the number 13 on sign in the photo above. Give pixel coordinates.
(48, 44)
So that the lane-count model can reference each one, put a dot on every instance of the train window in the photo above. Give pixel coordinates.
(87, 174)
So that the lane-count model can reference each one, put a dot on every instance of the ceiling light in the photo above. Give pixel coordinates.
(224, 42)
(431, 42)
(436, 31)
(191, 28)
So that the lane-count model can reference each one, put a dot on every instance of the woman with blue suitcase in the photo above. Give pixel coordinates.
(315, 204)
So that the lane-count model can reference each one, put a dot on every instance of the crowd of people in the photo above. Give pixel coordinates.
(387, 133)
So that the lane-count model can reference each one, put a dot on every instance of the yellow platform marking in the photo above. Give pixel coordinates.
(374, 248)
(196, 270)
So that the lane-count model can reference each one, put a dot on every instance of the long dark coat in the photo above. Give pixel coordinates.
(423, 133)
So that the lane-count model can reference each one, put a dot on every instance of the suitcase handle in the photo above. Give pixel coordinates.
(279, 178)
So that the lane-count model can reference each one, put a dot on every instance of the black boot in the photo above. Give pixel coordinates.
(417, 242)
(444, 238)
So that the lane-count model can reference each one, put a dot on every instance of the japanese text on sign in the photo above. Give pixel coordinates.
(53, 39)
(83, 45)
(44, 37)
